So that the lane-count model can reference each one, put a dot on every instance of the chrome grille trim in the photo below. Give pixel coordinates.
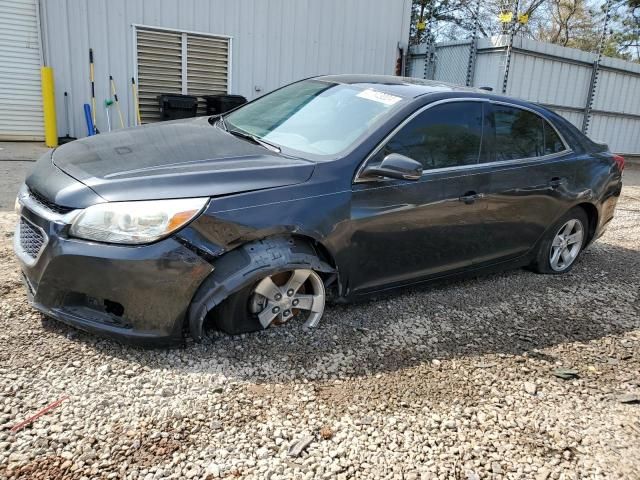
(27, 200)
(43, 202)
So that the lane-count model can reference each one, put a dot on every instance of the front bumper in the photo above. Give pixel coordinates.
(138, 294)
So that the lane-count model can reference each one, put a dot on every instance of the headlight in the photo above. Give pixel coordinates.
(135, 222)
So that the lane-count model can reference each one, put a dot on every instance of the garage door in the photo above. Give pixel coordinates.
(20, 60)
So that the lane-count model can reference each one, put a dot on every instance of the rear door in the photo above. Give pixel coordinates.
(528, 176)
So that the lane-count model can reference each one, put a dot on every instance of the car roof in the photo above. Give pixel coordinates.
(412, 88)
(402, 86)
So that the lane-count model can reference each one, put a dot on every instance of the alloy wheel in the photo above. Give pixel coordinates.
(278, 298)
(566, 245)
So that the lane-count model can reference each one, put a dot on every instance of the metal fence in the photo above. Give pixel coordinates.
(602, 99)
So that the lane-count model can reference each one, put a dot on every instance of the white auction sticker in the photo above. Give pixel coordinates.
(381, 97)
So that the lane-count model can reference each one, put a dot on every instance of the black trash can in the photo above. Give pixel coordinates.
(174, 106)
(223, 103)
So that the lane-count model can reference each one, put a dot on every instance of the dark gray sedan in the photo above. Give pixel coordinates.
(333, 187)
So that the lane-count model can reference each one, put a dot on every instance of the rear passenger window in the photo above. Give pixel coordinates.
(519, 133)
(446, 135)
(552, 142)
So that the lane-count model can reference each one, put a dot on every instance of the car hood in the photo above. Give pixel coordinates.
(178, 159)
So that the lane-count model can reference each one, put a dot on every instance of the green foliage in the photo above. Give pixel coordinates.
(571, 23)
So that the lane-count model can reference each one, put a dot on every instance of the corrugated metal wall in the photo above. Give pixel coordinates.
(274, 41)
(554, 76)
(20, 60)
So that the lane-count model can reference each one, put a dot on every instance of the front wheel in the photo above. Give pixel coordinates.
(292, 296)
(277, 299)
(563, 243)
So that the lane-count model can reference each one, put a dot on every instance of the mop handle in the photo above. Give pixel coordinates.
(115, 97)
(93, 89)
(66, 113)
(135, 100)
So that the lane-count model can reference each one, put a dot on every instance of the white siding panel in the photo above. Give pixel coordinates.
(571, 115)
(20, 61)
(618, 92)
(274, 42)
(620, 133)
(488, 70)
(547, 80)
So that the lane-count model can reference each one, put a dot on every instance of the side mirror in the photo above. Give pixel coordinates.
(396, 166)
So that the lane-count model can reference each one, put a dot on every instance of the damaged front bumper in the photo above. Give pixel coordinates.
(138, 294)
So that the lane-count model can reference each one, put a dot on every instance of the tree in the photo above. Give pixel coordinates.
(626, 34)
(571, 23)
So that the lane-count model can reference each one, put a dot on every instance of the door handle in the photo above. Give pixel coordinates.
(470, 197)
(557, 182)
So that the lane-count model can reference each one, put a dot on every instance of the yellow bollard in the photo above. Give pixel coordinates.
(49, 107)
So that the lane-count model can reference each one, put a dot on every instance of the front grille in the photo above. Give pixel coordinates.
(49, 205)
(31, 239)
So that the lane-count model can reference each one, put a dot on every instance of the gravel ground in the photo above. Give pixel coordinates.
(12, 174)
(454, 381)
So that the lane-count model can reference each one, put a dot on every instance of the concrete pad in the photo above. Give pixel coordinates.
(22, 151)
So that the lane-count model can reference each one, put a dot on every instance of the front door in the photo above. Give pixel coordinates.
(403, 230)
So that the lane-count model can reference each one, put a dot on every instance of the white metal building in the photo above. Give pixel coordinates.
(245, 47)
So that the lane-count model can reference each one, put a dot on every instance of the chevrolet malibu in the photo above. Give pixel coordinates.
(335, 187)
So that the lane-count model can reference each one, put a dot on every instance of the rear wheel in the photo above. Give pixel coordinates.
(563, 243)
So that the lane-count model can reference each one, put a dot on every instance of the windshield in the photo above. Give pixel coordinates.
(313, 116)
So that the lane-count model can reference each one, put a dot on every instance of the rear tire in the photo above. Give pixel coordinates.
(564, 241)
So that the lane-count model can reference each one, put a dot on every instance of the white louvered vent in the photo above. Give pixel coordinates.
(159, 69)
(183, 63)
(207, 67)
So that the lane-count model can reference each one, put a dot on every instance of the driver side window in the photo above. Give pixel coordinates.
(447, 135)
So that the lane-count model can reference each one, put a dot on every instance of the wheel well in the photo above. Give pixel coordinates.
(326, 256)
(234, 269)
(592, 216)
(322, 251)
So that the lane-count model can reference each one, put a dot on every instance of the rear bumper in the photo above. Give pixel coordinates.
(132, 294)
(607, 210)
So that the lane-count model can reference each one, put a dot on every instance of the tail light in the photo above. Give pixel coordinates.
(619, 161)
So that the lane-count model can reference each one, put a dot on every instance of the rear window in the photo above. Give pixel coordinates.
(519, 133)
(552, 141)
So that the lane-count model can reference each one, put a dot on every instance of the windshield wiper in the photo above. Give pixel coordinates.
(252, 138)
